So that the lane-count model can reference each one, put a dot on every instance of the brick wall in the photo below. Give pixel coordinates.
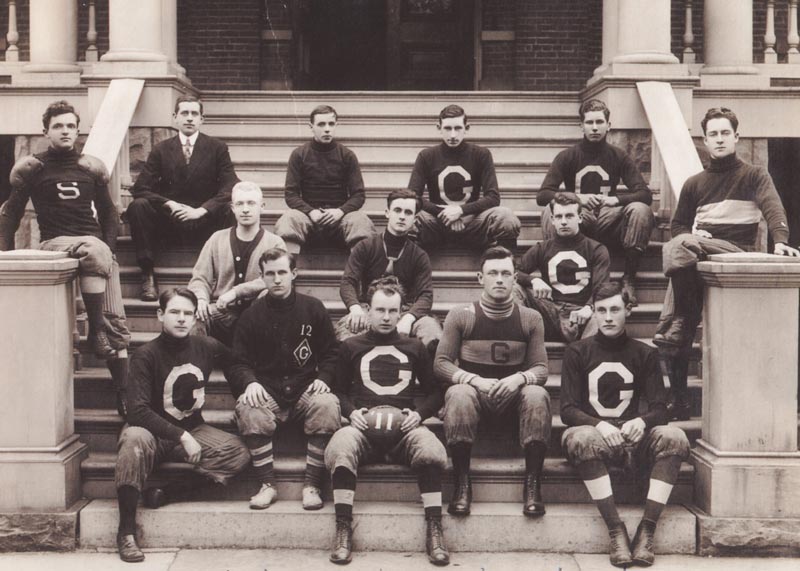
(558, 43)
(219, 42)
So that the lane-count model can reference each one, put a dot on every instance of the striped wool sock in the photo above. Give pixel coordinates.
(662, 478)
(344, 492)
(429, 479)
(261, 457)
(315, 463)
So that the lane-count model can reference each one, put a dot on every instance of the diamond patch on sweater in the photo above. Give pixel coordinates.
(302, 352)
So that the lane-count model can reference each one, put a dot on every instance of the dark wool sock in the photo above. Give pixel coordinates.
(343, 482)
(127, 499)
(94, 311)
(662, 479)
(460, 454)
(429, 479)
(534, 457)
(595, 476)
(261, 457)
(633, 257)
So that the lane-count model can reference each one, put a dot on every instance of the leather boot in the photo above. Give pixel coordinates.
(532, 503)
(149, 291)
(101, 347)
(627, 286)
(128, 549)
(461, 500)
(643, 544)
(676, 335)
(343, 548)
(619, 549)
(434, 542)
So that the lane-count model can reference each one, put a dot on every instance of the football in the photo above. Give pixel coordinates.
(384, 424)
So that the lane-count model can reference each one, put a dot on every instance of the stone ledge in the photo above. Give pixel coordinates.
(40, 531)
(764, 537)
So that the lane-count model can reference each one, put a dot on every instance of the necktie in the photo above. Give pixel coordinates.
(187, 151)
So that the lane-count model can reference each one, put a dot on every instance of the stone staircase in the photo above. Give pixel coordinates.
(524, 132)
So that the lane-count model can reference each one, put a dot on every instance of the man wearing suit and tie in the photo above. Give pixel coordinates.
(183, 193)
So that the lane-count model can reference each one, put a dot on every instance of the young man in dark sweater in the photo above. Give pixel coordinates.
(166, 394)
(718, 211)
(592, 170)
(382, 367)
(603, 379)
(463, 198)
(571, 266)
(183, 193)
(493, 359)
(324, 189)
(391, 254)
(76, 215)
(287, 340)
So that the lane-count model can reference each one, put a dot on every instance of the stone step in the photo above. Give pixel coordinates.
(99, 428)
(494, 480)
(487, 131)
(451, 258)
(385, 526)
(95, 390)
(387, 106)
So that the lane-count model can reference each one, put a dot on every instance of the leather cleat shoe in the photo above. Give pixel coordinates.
(434, 542)
(100, 345)
(675, 336)
(342, 552)
(128, 549)
(461, 500)
(627, 286)
(619, 549)
(149, 290)
(265, 497)
(642, 551)
(532, 503)
(154, 498)
(312, 498)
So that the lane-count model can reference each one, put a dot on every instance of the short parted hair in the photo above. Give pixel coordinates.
(168, 294)
(594, 105)
(452, 111)
(565, 199)
(610, 289)
(57, 108)
(389, 285)
(276, 254)
(322, 110)
(496, 253)
(187, 99)
(402, 194)
(720, 113)
(246, 186)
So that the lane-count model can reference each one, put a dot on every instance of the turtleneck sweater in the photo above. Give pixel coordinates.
(464, 176)
(727, 200)
(324, 175)
(496, 310)
(604, 378)
(372, 369)
(594, 168)
(285, 344)
(69, 199)
(573, 266)
(368, 261)
(167, 380)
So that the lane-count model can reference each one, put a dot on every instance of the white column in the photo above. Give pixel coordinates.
(643, 32)
(610, 29)
(135, 31)
(728, 42)
(54, 36)
(169, 30)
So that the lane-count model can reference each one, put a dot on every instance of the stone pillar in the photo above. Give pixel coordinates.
(637, 47)
(40, 454)
(135, 31)
(728, 45)
(747, 466)
(53, 37)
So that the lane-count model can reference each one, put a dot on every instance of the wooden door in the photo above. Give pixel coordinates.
(430, 44)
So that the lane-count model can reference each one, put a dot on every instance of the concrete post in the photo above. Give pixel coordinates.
(643, 32)
(53, 37)
(40, 454)
(135, 31)
(747, 466)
